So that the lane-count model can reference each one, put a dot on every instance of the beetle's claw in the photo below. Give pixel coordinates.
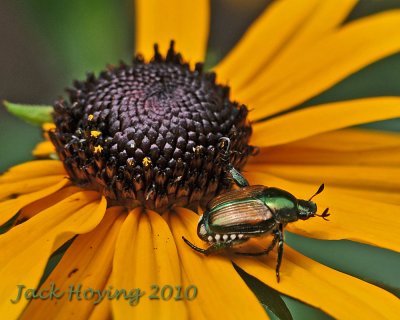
(224, 143)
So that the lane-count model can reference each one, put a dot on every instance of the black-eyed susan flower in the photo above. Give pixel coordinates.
(137, 154)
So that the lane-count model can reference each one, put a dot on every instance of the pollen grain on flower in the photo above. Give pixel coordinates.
(98, 149)
(95, 133)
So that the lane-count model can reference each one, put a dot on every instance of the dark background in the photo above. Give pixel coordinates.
(45, 44)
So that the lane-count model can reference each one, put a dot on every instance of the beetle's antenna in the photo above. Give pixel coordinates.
(320, 189)
(324, 214)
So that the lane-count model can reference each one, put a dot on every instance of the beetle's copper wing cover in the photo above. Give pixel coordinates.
(235, 195)
(239, 209)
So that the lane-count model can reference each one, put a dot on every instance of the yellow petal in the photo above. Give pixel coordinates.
(47, 126)
(221, 291)
(42, 204)
(33, 169)
(338, 55)
(24, 187)
(340, 295)
(352, 147)
(186, 22)
(43, 149)
(145, 244)
(350, 140)
(9, 208)
(287, 154)
(25, 249)
(319, 119)
(360, 177)
(102, 311)
(375, 194)
(304, 23)
(352, 217)
(79, 270)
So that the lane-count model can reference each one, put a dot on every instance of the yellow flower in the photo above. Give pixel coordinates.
(295, 50)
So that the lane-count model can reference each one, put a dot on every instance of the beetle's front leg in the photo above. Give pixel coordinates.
(224, 145)
(214, 247)
(203, 251)
(237, 177)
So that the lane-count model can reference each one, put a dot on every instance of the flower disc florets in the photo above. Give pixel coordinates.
(148, 133)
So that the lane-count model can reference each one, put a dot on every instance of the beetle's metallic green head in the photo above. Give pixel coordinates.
(307, 209)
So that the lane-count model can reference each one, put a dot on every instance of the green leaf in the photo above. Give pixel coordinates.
(352, 258)
(7, 226)
(54, 259)
(267, 296)
(33, 114)
(301, 310)
(84, 35)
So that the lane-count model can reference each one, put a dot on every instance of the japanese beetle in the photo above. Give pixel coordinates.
(250, 211)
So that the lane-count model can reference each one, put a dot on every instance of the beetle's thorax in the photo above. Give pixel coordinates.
(282, 204)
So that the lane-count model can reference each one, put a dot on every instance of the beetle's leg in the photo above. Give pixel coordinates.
(273, 243)
(266, 251)
(237, 177)
(203, 251)
(214, 247)
(224, 145)
(280, 251)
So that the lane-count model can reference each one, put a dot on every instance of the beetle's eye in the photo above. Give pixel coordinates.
(307, 209)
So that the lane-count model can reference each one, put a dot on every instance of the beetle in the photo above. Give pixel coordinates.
(236, 216)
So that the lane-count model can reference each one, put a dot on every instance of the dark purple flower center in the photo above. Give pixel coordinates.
(148, 133)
